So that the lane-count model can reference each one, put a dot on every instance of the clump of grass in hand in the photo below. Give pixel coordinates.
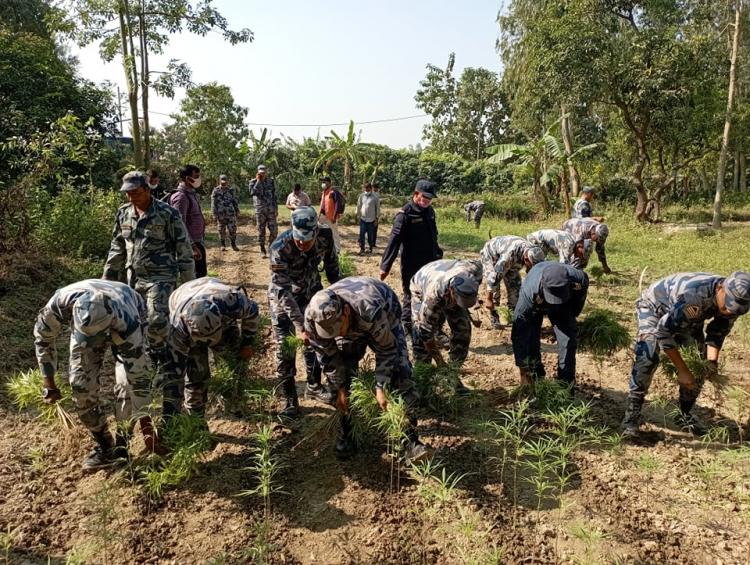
(601, 334)
(25, 388)
(186, 438)
(699, 366)
(291, 345)
(437, 387)
(506, 314)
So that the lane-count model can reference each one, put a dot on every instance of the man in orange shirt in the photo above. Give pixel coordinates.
(331, 208)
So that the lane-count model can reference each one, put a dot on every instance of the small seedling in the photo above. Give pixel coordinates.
(648, 464)
(291, 345)
(265, 467)
(7, 538)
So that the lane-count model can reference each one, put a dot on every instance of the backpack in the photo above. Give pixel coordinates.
(168, 198)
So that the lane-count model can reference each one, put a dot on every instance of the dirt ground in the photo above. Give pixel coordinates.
(617, 510)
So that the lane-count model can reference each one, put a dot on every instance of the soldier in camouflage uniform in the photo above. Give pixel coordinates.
(204, 314)
(559, 292)
(150, 242)
(225, 209)
(295, 257)
(588, 228)
(441, 291)
(266, 203)
(477, 208)
(100, 313)
(502, 260)
(671, 313)
(342, 322)
(558, 242)
(582, 207)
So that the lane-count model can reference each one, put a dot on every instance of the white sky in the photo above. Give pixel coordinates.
(327, 62)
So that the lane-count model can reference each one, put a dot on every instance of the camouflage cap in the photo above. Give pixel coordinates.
(203, 318)
(602, 231)
(588, 245)
(465, 289)
(587, 189)
(304, 223)
(92, 315)
(326, 310)
(133, 180)
(737, 289)
(535, 255)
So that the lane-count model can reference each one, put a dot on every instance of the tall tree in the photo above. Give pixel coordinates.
(348, 149)
(135, 28)
(468, 114)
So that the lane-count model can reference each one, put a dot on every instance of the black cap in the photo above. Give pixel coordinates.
(427, 188)
(555, 283)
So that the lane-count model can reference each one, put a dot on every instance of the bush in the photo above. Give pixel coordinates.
(74, 223)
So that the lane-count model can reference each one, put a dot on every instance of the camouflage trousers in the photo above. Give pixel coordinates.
(132, 386)
(266, 217)
(512, 282)
(227, 223)
(460, 325)
(186, 387)
(647, 353)
(286, 365)
(477, 216)
(156, 294)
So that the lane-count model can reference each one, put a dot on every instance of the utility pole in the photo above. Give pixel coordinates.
(119, 110)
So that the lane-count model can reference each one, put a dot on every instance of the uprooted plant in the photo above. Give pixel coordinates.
(701, 368)
(25, 388)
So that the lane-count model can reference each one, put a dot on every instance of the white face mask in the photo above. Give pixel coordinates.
(153, 186)
(323, 186)
(368, 193)
(196, 183)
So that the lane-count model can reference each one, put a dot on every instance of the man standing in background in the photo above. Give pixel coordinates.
(376, 194)
(582, 207)
(186, 202)
(157, 190)
(266, 203)
(297, 198)
(225, 209)
(368, 213)
(331, 208)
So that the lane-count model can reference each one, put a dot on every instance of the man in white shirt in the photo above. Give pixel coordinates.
(297, 198)
(368, 213)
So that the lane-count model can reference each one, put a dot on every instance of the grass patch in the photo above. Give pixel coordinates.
(437, 387)
(291, 345)
(601, 334)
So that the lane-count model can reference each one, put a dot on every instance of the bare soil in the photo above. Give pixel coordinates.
(364, 510)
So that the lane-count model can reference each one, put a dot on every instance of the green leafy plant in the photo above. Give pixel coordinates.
(265, 467)
(437, 387)
(699, 366)
(291, 345)
(6, 540)
(601, 334)
(25, 388)
(435, 488)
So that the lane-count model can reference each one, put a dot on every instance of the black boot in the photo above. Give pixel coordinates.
(291, 408)
(263, 253)
(461, 388)
(320, 393)
(631, 422)
(101, 457)
(495, 320)
(223, 245)
(345, 447)
(234, 245)
(686, 420)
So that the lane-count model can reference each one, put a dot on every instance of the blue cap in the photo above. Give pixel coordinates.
(465, 289)
(737, 293)
(555, 283)
(304, 223)
(427, 188)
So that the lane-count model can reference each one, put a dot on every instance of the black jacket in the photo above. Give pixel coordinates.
(416, 230)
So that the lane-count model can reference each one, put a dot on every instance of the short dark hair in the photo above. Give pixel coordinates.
(375, 186)
(367, 185)
(151, 173)
(297, 186)
(187, 171)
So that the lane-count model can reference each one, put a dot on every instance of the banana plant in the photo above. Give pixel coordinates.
(349, 149)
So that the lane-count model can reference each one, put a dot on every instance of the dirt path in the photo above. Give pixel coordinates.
(618, 509)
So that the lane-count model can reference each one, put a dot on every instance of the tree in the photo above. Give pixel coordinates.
(716, 223)
(468, 114)
(262, 150)
(349, 150)
(143, 27)
(214, 129)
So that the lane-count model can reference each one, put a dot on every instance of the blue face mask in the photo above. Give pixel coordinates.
(368, 193)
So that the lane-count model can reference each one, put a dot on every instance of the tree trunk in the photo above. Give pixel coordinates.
(145, 81)
(704, 179)
(575, 180)
(736, 172)
(685, 187)
(716, 223)
(743, 172)
(347, 173)
(641, 205)
(131, 79)
(565, 192)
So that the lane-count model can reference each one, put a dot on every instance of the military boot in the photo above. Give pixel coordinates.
(462, 389)
(631, 423)
(291, 408)
(101, 457)
(223, 245)
(417, 452)
(318, 392)
(263, 253)
(346, 446)
(234, 245)
(688, 421)
(495, 320)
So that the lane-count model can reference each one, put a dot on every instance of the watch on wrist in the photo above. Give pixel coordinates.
(379, 386)
(47, 392)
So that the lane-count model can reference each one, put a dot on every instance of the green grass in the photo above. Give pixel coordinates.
(25, 389)
(600, 334)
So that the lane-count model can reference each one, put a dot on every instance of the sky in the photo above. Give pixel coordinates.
(326, 62)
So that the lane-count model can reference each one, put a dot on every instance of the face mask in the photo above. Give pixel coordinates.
(423, 202)
(152, 186)
(196, 182)
(368, 193)
(323, 186)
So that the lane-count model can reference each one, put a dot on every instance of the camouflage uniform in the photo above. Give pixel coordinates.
(560, 243)
(224, 209)
(266, 204)
(153, 249)
(204, 314)
(477, 207)
(100, 313)
(672, 312)
(533, 306)
(431, 307)
(295, 278)
(502, 259)
(582, 228)
(582, 209)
